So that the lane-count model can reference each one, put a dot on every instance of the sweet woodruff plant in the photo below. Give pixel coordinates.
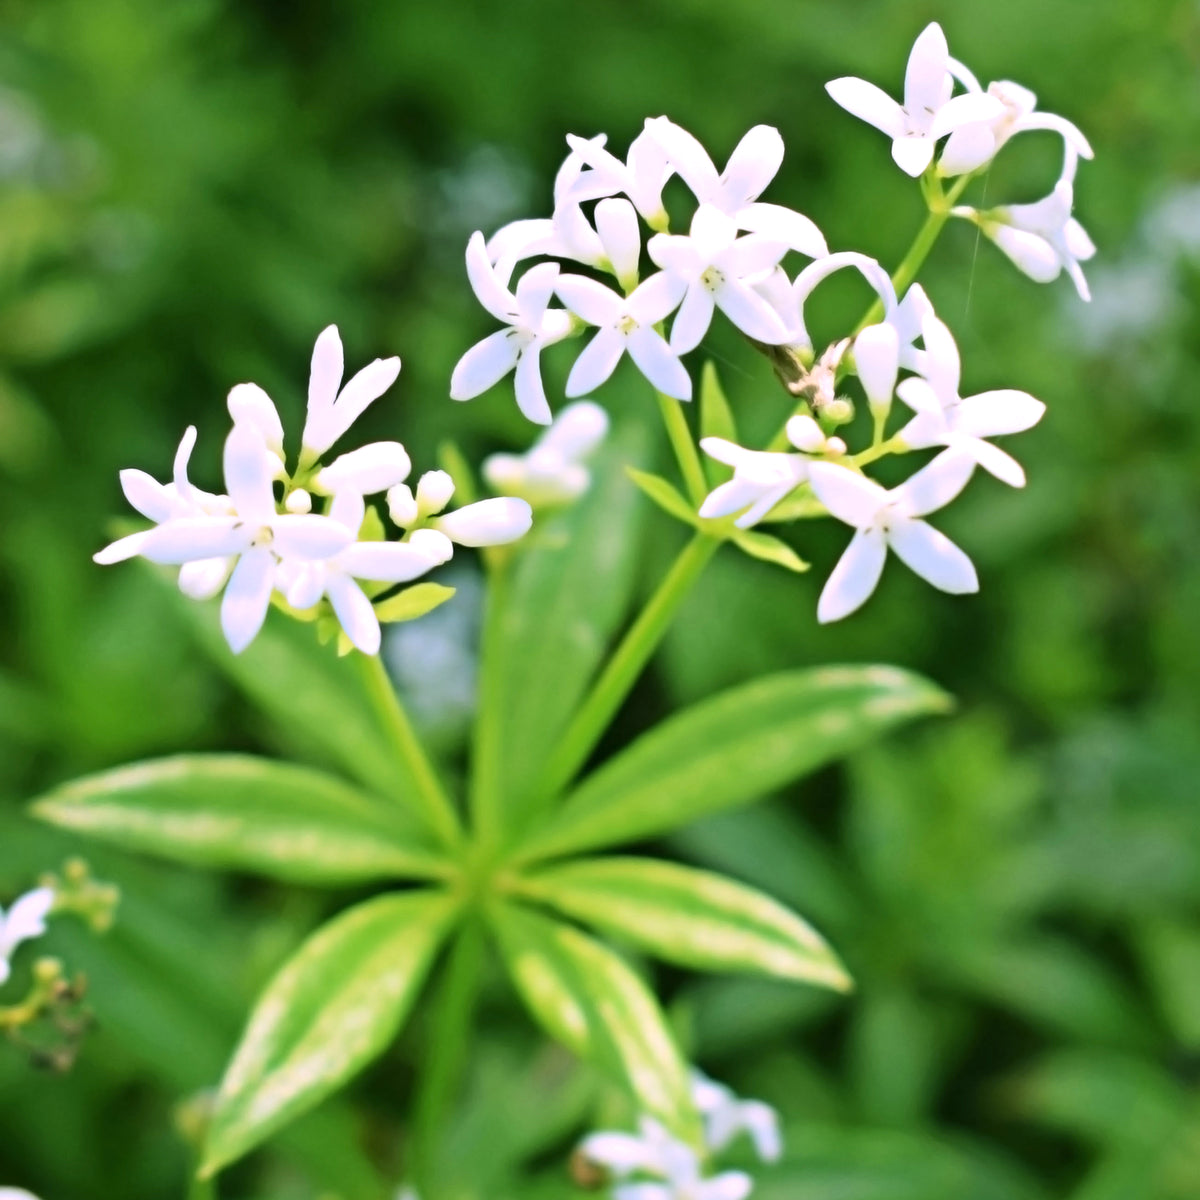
(339, 541)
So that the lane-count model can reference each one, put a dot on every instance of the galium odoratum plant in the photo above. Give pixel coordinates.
(520, 860)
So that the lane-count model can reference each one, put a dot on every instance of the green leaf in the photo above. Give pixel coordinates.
(588, 998)
(733, 749)
(569, 591)
(694, 918)
(249, 814)
(665, 496)
(413, 602)
(716, 420)
(334, 1007)
(452, 460)
(769, 549)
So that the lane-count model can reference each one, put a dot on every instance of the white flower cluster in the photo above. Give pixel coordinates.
(23, 922)
(1042, 239)
(674, 1169)
(729, 260)
(262, 538)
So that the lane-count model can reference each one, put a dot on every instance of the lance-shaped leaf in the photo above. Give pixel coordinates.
(249, 814)
(733, 749)
(589, 999)
(666, 496)
(694, 918)
(769, 549)
(334, 1006)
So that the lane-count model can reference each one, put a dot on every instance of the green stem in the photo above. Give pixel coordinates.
(202, 1189)
(437, 804)
(684, 447)
(622, 670)
(486, 754)
(448, 1045)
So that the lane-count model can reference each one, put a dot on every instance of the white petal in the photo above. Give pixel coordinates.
(933, 556)
(485, 364)
(179, 468)
(693, 319)
(755, 161)
(753, 255)
(596, 362)
(530, 391)
(27, 917)
(751, 313)
(575, 236)
(516, 241)
(577, 430)
(348, 509)
(1033, 255)
(363, 389)
(928, 427)
(995, 461)
(849, 496)
(644, 1191)
(534, 290)
(870, 270)
(991, 414)
(729, 498)
(919, 395)
(355, 613)
(1077, 240)
(676, 253)
(912, 154)
(488, 289)
(369, 469)
(969, 109)
(248, 403)
(188, 538)
(869, 103)
(690, 160)
(729, 1185)
(388, 562)
(122, 549)
(621, 1153)
(967, 149)
(877, 361)
(488, 522)
(776, 289)
(805, 434)
(943, 366)
(934, 485)
(782, 224)
(327, 367)
(151, 498)
(434, 545)
(725, 451)
(203, 578)
(659, 365)
(655, 298)
(309, 536)
(925, 75)
(911, 313)
(248, 474)
(589, 300)
(247, 598)
(617, 225)
(1078, 279)
(761, 1121)
(855, 576)
(307, 586)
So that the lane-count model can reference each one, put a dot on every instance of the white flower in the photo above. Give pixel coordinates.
(725, 1116)
(332, 409)
(23, 922)
(762, 478)
(372, 468)
(303, 583)
(492, 522)
(970, 146)
(930, 111)
(882, 519)
(625, 324)
(551, 472)
(532, 325)
(1042, 239)
(641, 176)
(715, 265)
(945, 418)
(754, 162)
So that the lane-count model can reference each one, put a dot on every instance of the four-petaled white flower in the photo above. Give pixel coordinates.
(332, 408)
(930, 110)
(23, 922)
(1042, 238)
(552, 471)
(725, 1116)
(716, 267)
(945, 418)
(885, 518)
(532, 325)
(625, 324)
(762, 478)
(754, 162)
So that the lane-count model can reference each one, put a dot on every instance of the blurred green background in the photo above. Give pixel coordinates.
(191, 190)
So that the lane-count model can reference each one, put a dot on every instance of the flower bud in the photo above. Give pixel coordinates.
(838, 411)
(402, 506)
(434, 490)
(298, 502)
(487, 523)
(372, 468)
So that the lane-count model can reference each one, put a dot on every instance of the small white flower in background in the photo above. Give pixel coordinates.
(332, 409)
(883, 519)
(641, 176)
(945, 418)
(716, 268)
(1042, 238)
(930, 110)
(532, 325)
(762, 478)
(725, 1116)
(551, 471)
(23, 922)
(625, 324)
(754, 162)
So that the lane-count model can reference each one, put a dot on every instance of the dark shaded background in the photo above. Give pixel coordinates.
(190, 191)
